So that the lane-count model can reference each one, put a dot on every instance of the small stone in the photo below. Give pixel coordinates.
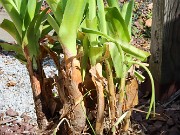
(32, 130)
(9, 132)
(3, 129)
(25, 117)
(11, 84)
(23, 114)
(19, 131)
(15, 128)
(148, 22)
(1, 72)
(11, 113)
(1, 116)
(150, 6)
(28, 127)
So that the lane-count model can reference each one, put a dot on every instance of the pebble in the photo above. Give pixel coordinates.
(15, 87)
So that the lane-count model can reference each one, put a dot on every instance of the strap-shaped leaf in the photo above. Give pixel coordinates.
(132, 50)
(53, 23)
(30, 13)
(31, 8)
(12, 10)
(95, 54)
(84, 60)
(71, 21)
(32, 41)
(113, 3)
(91, 21)
(46, 29)
(58, 7)
(126, 12)
(9, 26)
(116, 59)
(101, 15)
(38, 7)
(39, 20)
(9, 47)
(120, 30)
(21, 58)
(23, 8)
(18, 4)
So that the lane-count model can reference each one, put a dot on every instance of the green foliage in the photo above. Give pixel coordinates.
(114, 29)
(103, 35)
(25, 26)
(67, 21)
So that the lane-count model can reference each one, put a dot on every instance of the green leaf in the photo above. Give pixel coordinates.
(119, 120)
(116, 59)
(12, 10)
(46, 29)
(127, 12)
(58, 7)
(39, 20)
(21, 58)
(23, 8)
(118, 28)
(9, 26)
(38, 7)
(32, 41)
(31, 8)
(9, 47)
(30, 13)
(101, 15)
(18, 4)
(113, 3)
(85, 57)
(132, 50)
(72, 18)
(53, 23)
(139, 76)
(93, 25)
(91, 21)
(95, 54)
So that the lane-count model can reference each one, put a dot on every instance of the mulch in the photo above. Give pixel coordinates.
(166, 121)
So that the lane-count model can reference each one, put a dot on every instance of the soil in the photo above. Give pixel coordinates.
(166, 121)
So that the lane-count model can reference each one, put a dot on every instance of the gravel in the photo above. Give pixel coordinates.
(15, 87)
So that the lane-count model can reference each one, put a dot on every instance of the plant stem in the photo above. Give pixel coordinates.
(152, 103)
(111, 89)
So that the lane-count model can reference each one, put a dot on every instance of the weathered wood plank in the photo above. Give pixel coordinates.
(165, 43)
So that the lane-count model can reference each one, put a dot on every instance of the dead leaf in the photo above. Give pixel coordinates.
(131, 94)
(97, 78)
(148, 22)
